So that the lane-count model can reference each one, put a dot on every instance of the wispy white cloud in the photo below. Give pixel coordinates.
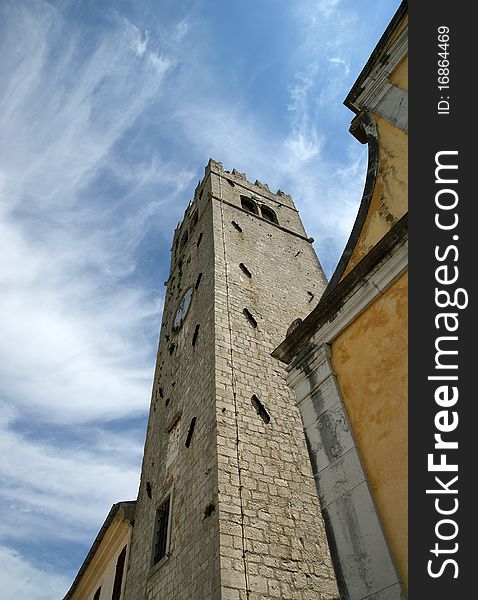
(298, 159)
(64, 318)
(104, 135)
(22, 580)
(79, 330)
(63, 493)
(63, 111)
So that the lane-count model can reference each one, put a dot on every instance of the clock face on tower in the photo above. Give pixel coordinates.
(182, 309)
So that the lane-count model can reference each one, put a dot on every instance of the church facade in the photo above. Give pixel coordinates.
(347, 361)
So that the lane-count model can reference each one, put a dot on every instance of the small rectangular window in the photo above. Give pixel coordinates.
(161, 531)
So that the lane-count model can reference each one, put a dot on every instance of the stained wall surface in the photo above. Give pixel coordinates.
(370, 360)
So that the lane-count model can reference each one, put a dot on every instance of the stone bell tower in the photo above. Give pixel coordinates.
(227, 506)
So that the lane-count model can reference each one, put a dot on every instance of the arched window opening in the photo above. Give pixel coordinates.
(249, 205)
(269, 214)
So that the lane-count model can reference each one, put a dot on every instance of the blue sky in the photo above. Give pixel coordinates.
(109, 112)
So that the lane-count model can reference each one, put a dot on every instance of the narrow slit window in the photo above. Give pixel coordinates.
(199, 240)
(245, 270)
(260, 409)
(198, 281)
(190, 432)
(269, 214)
(119, 575)
(250, 318)
(236, 226)
(249, 205)
(161, 533)
(195, 335)
(97, 594)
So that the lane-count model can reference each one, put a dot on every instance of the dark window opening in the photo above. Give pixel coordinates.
(269, 214)
(199, 240)
(97, 594)
(195, 335)
(171, 349)
(250, 318)
(194, 220)
(311, 296)
(210, 508)
(119, 575)
(148, 490)
(245, 270)
(161, 531)
(260, 409)
(236, 226)
(160, 392)
(198, 281)
(166, 403)
(249, 205)
(190, 432)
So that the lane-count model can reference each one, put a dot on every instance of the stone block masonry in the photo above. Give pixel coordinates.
(245, 521)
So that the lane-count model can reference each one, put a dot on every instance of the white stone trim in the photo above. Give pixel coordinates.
(392, 104)
(374, 84)
(363, 557)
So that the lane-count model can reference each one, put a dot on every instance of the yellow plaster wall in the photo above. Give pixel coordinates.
(399, 77)
(390, 196)
(370, 361)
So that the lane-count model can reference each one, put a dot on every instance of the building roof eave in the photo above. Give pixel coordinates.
(128, 508)
(329, 305)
